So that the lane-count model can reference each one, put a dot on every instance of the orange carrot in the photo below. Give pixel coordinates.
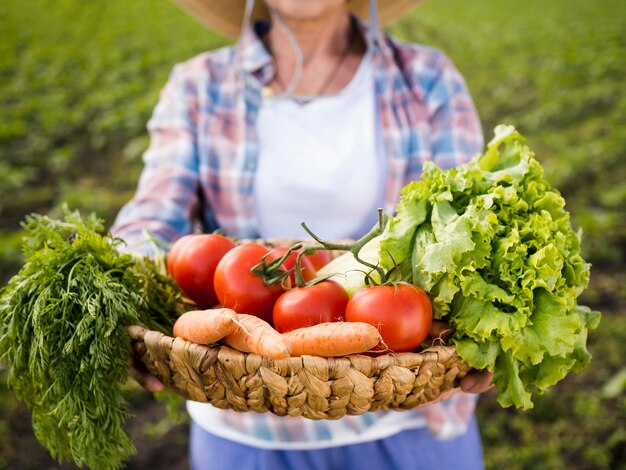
(257, 336)
(205, 326)
(333, 339)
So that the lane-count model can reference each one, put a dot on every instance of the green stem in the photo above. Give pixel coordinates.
(272, 273)
(354, 247)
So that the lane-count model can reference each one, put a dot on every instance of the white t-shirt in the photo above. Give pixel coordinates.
(321, 163)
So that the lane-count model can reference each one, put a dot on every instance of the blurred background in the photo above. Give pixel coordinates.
(78, 81)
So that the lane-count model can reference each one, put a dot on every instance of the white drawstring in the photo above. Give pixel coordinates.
(247, 14)
(374, 22)
(237, 68)
(297, 73)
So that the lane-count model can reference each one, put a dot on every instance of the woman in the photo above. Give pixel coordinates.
(313, 115)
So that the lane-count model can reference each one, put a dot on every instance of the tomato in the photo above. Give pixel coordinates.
(306, 266)
(240, 289)
(402, 313)
(175, 250)
(306, 306)
(319, 259)
(192, 262)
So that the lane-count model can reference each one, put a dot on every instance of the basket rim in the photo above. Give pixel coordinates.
(314, 387)
(137, 333)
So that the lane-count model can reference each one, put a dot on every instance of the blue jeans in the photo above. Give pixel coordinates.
(413, 449)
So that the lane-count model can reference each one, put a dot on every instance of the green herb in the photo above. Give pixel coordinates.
(62, 320)
(492, 244)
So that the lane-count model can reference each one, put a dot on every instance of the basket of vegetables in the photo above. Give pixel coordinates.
(486, 249)
(297, 347)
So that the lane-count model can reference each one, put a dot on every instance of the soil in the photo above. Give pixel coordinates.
(21, 450)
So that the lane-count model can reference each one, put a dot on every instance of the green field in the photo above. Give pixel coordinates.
(78, 81)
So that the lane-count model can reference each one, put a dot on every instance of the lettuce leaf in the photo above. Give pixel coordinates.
(492, 244)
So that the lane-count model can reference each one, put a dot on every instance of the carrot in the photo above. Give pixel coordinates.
(205, 326)
(257, 336)
(333, 339)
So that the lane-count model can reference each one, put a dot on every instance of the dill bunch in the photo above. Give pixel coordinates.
(62, 319)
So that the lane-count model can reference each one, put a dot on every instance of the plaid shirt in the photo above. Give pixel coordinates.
(203, 154)
(201, 162)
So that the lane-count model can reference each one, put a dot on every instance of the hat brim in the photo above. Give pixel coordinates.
(226, 16)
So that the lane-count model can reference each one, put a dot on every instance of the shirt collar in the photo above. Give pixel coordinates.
(255, 59)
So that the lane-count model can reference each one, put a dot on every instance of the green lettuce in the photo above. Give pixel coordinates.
(492, 244)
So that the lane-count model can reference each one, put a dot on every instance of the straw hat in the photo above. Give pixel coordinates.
(226, 16)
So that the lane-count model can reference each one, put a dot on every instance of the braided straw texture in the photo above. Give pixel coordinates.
(309, 386)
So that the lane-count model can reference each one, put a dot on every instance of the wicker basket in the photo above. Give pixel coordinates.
(309, 386)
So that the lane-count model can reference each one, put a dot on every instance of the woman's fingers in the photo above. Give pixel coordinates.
(143, 378)
(439, 329)
(477, 381)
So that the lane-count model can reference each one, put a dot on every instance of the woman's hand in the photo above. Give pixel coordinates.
(138, 372)
(476, 381)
